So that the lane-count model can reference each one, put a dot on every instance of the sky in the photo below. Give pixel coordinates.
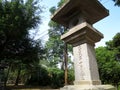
(108, 26)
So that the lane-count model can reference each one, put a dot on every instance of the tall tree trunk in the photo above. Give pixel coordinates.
(18, 77)
(6, 77)
(117, 86)
(63, 64)
(66, 62)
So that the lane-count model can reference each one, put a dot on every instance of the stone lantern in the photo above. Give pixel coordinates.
(79, 16)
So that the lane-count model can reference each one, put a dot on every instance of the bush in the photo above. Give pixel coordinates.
(52, 77)
(39, 78)
(57, 77)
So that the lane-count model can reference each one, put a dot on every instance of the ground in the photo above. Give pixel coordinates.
(22, 87)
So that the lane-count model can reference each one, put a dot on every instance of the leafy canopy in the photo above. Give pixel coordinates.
(117, 2)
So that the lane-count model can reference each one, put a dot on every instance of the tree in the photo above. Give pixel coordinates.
(108, 61)
(56, 48)
(109, 68)
(117, 2)
(114, 45)
(55, 45)
(16, 19)
(61, 2)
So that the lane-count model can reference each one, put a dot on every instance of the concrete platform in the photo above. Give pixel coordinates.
(88, 87)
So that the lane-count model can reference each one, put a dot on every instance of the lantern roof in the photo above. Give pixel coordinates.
(92, 10)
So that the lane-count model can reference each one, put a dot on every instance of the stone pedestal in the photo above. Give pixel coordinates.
(83, 38)
(86, 71)
(88, 87)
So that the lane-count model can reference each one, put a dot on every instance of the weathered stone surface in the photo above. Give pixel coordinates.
(82, 33)
(86, 70)
(88, 87)
(92, 10)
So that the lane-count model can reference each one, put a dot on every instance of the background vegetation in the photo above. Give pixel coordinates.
(30, 63)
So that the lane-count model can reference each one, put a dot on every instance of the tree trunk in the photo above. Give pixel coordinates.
(63, 64)
(6, 78)
(117, 86)
(66, 61)
(18, 77)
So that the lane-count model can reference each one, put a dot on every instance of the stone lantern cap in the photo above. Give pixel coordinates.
(92, 10)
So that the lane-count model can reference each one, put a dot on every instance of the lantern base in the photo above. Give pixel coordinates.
(88, 87)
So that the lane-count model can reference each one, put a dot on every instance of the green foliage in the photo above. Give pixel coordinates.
(52, 10)
(55, 46)
(55, 52)
(109, 66)
(114, 45)
(71, 76)
(39, 77)
(16, 19)
(18, 50)
(61, 3)
(57, 77)
(52, 77)
(117, 2)
(116, 40)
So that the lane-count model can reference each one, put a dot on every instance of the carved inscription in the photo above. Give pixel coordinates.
(81, 63)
